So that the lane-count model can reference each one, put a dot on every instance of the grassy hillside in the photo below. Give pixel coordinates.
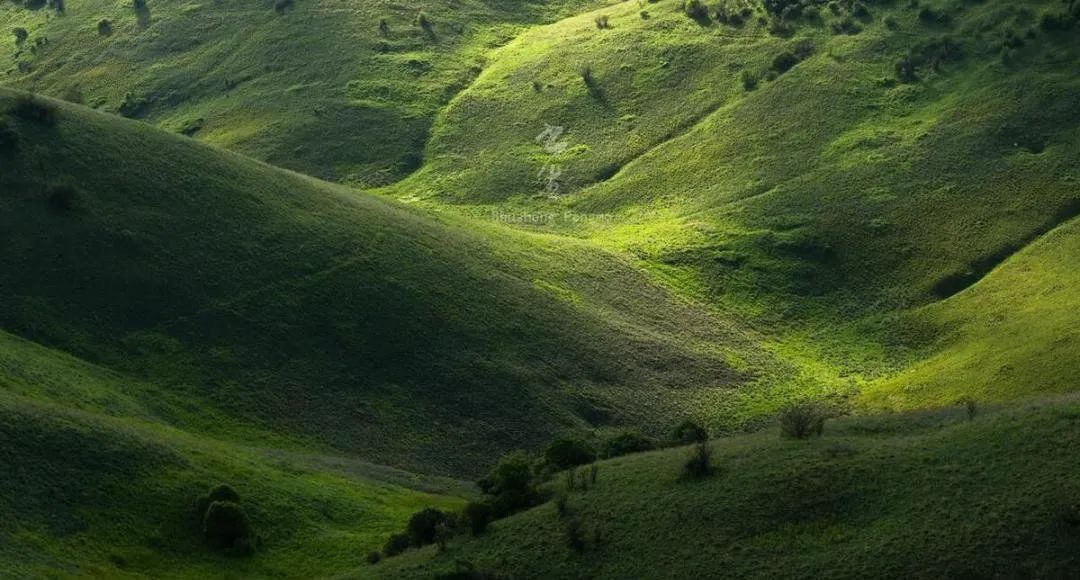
(371, 328)
(1013, 334)
(322, 87)
(821, 177)
(96, 483)
(920, 495)
(837, 179)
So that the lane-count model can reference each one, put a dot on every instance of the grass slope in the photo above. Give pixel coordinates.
(824, 203)
(97, 484)
(919, 495)
(1013, 334)
(428, 343)
(317, 86)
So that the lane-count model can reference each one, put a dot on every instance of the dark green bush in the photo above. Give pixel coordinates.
(699, 463)
(750, 80)
(423, 526)
(36, 109)
(934, 16)
(477, 515)
(282, 6)
(226, 526)
(784, 62)
(423, 21)
(602, 22)
(374, 558)
(689, 432)
(221, 492)
(626, 443)
(696, 9)
(62, 198)
(802, 420)
(567, 452)
(396, 544)
(20, 34)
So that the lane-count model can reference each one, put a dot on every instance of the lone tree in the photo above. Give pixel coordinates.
(225, 524)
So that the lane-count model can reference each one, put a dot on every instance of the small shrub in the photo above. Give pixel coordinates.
(282, 6)
(384, 27)
(477, 515)
(562, 503)
(221, 492)
(574, 531)
(570, 479)
(396, 544)
(35, 109)
(626, 443)
(696, 9)
(750, 80)
(699, 463)
(846, 26)
(971, 407)
(104, 27)
(423, 21)
(784, 62)
(374, 557)
(20, 34)
(602, 22)
(934, 16)
(802, 420)
(586, 73)
(689, 432)
(567, 452)
(138, 5)
(594, 472)
(537, 86)
(226, 526)
(423, 526)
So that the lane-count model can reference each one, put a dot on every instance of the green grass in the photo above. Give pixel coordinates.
(429, 342)
(318, 88)
(918, 495)
(97, 484)
(173, 314)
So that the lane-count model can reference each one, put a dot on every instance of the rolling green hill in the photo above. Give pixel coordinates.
(430, 343)
(97, 482)
(917, 495)
(322, 87)
(572, 217)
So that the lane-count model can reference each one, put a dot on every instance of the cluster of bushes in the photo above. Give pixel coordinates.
(225, 524)
(928, 55)
(514, 484)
